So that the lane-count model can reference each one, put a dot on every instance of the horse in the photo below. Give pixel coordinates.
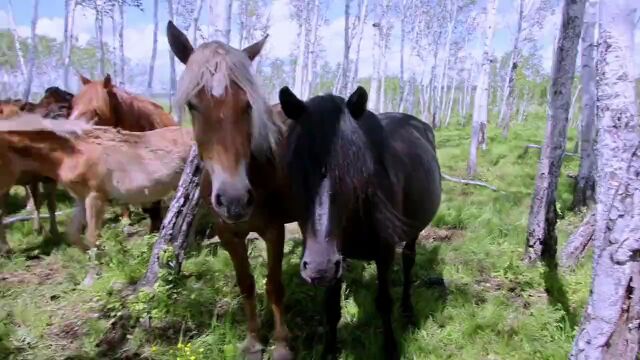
(238, 138)
(364, 183)
(106, 104)
(97, 165)
(55, 104)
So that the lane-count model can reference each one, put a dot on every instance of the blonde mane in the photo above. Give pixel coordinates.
(213, 66)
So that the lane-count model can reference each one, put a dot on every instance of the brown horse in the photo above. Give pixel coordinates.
(105, 104)
(237, 137)
(55, 103)
(101, 164)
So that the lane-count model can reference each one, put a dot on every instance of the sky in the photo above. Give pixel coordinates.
(283, 32)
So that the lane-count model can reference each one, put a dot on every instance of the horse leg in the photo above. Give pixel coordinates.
(77, 225)
(126, 214)
(35, 203)
(5, 249)
(384, 302)
(333, 313)
(274, 238)
(154, 212)
(49, 189)
(408, 260)
(94, 203)
(237, 248)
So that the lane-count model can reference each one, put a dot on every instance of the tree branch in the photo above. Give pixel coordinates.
(468, 182)
(17, 218)
(534, 146)
(579, 242)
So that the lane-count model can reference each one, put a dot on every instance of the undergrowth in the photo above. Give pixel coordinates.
(489, 306)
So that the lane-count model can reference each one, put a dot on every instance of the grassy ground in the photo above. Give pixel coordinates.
(490, 305)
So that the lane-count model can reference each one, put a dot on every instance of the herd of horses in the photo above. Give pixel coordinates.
(357, 183)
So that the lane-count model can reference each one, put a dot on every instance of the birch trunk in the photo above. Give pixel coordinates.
(403, 24)
(375, 75)
(440, 97)
(32, 53)
(361, 23)
(172, 62)
(114, 48)
(508, 97)
(572, 108)
(480, 106)
(610, 326)
(450, 106)
(121, 42)
(16, 39)
(584, 191)
(69, 14)
(99, 27)
(220, 20)
(541, 233)
(344, 72)
(300, 57)
(154, 48)
(194, 23)
(523, 106)
(312, 51)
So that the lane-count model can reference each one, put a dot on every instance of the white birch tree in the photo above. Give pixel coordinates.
(32, 52)
(195, 21)
(584, 191)
(16, 39)
(220, 20)
(480, 103)
(154, 48)
(609, 328)
(541, 234)
(69, 15)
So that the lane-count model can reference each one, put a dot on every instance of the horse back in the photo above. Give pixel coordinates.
(136, 113)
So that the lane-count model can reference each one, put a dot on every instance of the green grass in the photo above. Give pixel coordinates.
(493, 306)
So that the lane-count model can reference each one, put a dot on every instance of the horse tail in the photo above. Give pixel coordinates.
(35, 122)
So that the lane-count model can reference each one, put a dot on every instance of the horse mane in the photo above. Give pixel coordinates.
(213, 66)
(30, 122)
(329, 142)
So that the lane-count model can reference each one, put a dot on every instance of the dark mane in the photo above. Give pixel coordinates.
(329, 142)
(59, 94)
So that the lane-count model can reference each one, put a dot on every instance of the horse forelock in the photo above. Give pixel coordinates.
(213, 66)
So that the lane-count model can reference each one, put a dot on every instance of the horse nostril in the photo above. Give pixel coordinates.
(305, 265)
(250, 198)
(219, 200)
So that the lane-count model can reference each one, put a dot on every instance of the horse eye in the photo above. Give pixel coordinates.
(191, 106)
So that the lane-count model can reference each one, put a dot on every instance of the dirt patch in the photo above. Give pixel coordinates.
(37, 272)
(431, 235)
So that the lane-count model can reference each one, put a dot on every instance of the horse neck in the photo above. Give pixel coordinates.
(40, 152)
(136, 113)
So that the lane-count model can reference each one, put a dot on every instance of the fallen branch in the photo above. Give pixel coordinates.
(18, 218)
(534, 146)
(579, 242)
(468, 182)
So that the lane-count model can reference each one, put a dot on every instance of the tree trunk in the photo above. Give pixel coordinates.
(69, 14)
(611, 324)
(99, 27)
(302, 43)
(579, 242)
(403, 31)
(32, 53)
(172, 62)
(584, 191)
(154, 48)
(123, 79)
(344, 74)
(480, 106)
(541, 233)
(508, 97)
(441, 95)
(177, 224)
(450, 106)
(312, 51)
(572, 108)
(194, 23)
(114, 48)
(220, 20)
(375, 75)
(361, 22)
(16, 39)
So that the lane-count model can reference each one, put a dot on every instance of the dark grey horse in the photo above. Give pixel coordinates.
(364, 184)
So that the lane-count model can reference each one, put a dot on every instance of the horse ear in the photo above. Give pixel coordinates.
(291, 106)
(107, 83)
(83, 79)
(179, 42)
(357, 103)
(254, 49)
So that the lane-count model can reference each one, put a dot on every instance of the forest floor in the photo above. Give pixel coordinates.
(473, 296)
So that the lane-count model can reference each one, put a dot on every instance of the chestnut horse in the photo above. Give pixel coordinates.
(365, 183)
(100, 164)
(238, 138)
(55, 103)
(105, 104)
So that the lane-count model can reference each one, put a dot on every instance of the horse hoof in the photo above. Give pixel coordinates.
(252, 349)
(282, 352)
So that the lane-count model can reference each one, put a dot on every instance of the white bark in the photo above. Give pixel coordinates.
(374, 92)
(32, 53)
(16, 39)
(154, 48)
(172, 61)
(610, 326)
(362, 17)
(301, 52)
(121, 43)
(114, 48)
(69, 14)
(343, 80)
(194, 23)
(99, 27)
(220, 20)
(311, 56)
(441, 89)
(541, 234)
(480, 103)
